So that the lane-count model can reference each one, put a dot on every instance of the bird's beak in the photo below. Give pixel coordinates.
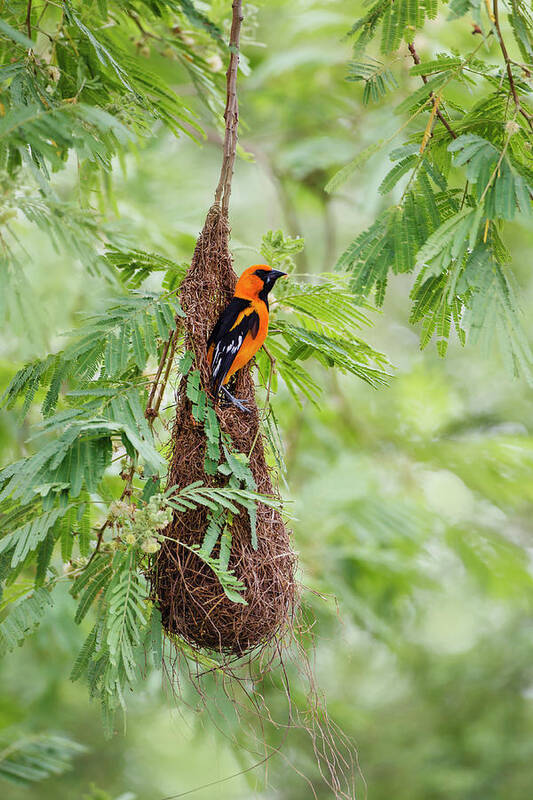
(276, 273)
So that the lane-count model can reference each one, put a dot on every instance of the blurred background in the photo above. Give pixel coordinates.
(412, 505)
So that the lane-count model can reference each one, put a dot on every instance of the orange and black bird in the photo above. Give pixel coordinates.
(241, 328)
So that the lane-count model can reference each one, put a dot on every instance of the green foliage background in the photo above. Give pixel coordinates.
(412, 503)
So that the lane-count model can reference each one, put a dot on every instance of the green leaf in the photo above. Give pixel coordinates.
(421, 96)
(16, 36)
(23, 619)
(98, 584)
(448, 241)
(156, 637)
(26, 538)
(343, 174)
(36, 757)
(84, 656)
(495, 180)
(445, 62)
(127, 600)
(377, 77)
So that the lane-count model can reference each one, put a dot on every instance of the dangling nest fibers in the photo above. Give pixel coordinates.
(192, 602)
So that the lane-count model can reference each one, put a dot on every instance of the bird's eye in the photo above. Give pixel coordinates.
(261, 273)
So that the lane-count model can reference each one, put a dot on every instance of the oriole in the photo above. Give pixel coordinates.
(241, 328)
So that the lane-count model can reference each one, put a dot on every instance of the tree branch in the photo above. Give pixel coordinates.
(507, 60)
(28, 19)
(270, 374)
(135, 17)
(440, 116)
(150, 412)
(231, 114)
(164, 382)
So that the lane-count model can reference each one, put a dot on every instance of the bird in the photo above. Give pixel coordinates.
(241, 328)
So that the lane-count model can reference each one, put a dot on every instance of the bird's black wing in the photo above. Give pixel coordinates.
(227, 338)
(227, 319)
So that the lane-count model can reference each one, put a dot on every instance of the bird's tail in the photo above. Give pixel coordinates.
(215, 387)
(216, 382)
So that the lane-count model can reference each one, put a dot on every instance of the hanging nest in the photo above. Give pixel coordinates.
(191, 600)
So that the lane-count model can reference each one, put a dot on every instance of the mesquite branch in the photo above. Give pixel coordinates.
(28, 18)
(439, 114)
(231, 114)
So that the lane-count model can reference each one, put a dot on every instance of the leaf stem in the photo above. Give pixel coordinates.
(496, 168)
(436, 110)
(528, 117)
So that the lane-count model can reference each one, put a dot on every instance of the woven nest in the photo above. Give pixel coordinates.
(189, 596)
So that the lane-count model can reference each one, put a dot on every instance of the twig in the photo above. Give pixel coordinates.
(127, 477)
(463, 198)
(44, 10)
(496, 169)
(99, 538)
(523, 67)
(28, 19)
(164, 382)
(149, 413)
(268, 388)
(272, 371)
(231, 114)
(135, 17)
(505, 54)
(440, 116)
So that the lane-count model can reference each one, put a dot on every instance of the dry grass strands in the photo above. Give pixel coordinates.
(192, 602)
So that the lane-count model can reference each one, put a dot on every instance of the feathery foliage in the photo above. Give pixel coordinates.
(465, 170)
(75, 90)
(412, 504)
(321, 321)
(93, 395)
(29, 759)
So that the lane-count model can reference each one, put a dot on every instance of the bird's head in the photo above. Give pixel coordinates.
(257, 281)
